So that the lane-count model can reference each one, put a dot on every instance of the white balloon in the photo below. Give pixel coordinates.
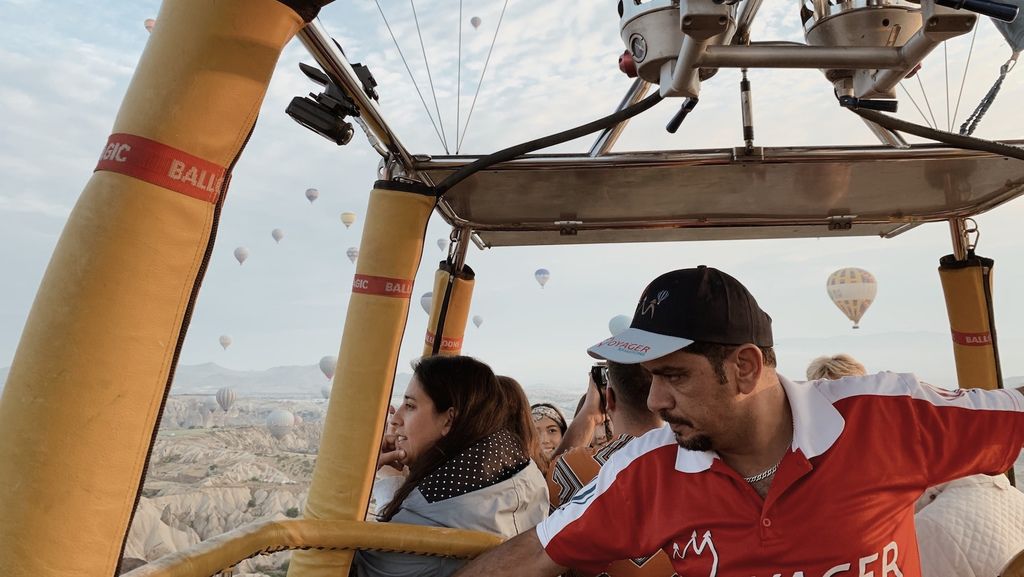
(619, 323)
(225, 341)
(280, 422)
(312, 194)
(352, 253)
(478, 320)
(852, 290)
(241, 253)
(442, 243)
(542, 275)
(347, 218)
(226, 398)
(278, 234)
(327, 365)
(426, 300)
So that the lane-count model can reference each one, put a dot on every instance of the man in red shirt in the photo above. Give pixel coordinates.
(755, 476)
(626, 403)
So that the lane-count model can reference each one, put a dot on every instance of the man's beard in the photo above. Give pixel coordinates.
(699, 442)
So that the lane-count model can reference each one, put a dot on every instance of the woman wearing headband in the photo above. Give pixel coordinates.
(550, 426)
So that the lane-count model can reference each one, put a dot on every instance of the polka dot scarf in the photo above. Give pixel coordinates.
(487, 462)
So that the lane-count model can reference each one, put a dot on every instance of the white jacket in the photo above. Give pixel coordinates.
(970, 527)
(489, 486)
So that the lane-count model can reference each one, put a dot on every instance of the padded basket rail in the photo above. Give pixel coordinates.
(227, 550)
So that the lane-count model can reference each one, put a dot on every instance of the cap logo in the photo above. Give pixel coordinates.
(652, 303)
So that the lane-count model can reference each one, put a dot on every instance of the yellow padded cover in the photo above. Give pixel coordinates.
(389, 255)
(455, 320)
(969, 323)
(91, 372)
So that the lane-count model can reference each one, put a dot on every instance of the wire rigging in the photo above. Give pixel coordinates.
(458, 85)
(914, 102)
(430, 78)
(926, 103)
(409, 70)
(469, 115)
(967, 66)
(945, 60)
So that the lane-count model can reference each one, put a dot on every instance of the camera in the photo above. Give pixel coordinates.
(599, 372)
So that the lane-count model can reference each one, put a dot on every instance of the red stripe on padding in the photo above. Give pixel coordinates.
(448, 344)
(162, 165)
(382, 286)
(972, 339)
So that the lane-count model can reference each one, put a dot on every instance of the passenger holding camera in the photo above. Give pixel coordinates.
(617, 394)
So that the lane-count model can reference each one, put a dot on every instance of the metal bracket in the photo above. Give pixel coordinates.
(744, 154)
(568, 227)
(841, 222)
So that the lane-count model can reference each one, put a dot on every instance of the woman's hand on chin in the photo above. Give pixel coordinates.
(390, 459)
(389, 462)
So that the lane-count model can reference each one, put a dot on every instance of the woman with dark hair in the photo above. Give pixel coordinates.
(464, 441)
(525, 428)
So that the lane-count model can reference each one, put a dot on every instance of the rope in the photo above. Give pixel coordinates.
(969, 125)
(411, 77)
(429, 77)
(459, 141)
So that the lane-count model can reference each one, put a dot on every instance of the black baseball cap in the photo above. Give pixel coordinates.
(687, 305)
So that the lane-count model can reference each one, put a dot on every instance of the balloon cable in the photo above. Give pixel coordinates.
(544, 142)
(955, 140)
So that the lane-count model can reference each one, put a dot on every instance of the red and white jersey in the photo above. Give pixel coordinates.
(840, 505)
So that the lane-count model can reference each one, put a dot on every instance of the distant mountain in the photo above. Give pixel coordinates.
(294, 382)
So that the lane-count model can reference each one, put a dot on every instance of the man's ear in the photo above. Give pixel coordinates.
(748, 363)
(449, 419)
(609, 399)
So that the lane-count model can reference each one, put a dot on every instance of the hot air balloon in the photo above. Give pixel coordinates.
(241, 253)
(475, 21)
(442, 243)
(618, 324)
(352, 253)
(425, 301)
(226, 398)
(852, 290)
(542, 275)
(478, 320)
(327, 365)
(149, 24)
(325, 391)
(210, 406)
(312, 194)
(347, 218)
(280, 422)
(278, 234)
(225, 341)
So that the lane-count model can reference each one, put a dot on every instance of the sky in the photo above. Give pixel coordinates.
(66, 67)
